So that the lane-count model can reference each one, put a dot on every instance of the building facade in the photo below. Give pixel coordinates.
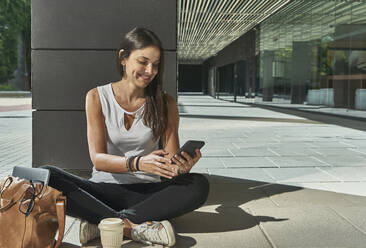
(308, 52)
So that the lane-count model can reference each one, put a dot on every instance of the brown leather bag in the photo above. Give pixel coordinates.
(30, 214)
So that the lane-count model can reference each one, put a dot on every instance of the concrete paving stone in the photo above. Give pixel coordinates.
(223, 140)
(25, 114)
(247, 162)
(298, 196)
(252, 113)
(217, 153)
(343, 161)
(333, 144)
(256, 174)
(15, 101)
(214, 226)
(355, 215)
(209, 162)
(261, 140)
(299, 138)
(254, 144)
(336, 151)
(299, 175)
(215, 145)
(260, 133)
(293, 151)
(197, 169)
(355, 188)
(217, 179)
(355, 143)
(292, 144)
(310, 227)
(354, 135)
(296, 161)
(360, 150)
(72, 227)
(350, 174)
(331, 139)
(318, 185)
(4, 156)
(253, 152)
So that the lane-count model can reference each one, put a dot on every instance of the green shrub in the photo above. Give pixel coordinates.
(8, 87)
(14, 22)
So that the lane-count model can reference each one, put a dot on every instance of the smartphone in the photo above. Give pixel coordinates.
(190, 146)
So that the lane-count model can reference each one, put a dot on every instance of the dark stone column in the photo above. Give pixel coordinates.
(74, 44)
(268, 80)
(301, 70)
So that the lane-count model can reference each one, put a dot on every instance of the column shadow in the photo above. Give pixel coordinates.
(228, 208)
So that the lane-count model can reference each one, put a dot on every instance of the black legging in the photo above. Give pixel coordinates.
(137, 202)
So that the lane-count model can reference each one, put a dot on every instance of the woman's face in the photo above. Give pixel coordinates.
(142, 65)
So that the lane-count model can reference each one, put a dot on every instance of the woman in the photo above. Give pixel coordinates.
(132, 178)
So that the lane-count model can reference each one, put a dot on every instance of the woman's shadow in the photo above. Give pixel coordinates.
(230, 207)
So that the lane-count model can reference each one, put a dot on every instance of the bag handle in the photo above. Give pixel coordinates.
(18, 195)
(60, 210)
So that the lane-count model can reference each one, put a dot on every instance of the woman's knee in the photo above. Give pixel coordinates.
(201, 187)
(53, 169)
(57, 176)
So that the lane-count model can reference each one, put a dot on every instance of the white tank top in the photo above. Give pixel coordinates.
(137, 141)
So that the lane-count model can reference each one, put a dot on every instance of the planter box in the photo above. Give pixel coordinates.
(321, 97)
(360, 99)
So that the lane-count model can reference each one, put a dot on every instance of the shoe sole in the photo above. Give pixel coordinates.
(171, 234)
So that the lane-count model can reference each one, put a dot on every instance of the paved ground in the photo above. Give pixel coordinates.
(249, 142)
(252, 156)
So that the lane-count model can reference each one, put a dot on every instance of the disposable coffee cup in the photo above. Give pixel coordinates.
(111, 232)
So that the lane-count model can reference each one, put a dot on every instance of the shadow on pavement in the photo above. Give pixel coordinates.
(228, 208)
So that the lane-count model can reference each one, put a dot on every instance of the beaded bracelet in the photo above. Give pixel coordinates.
(127, 162)
(130, 163)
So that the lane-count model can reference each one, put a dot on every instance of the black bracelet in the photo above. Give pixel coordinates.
(130, 164)
(137, 163)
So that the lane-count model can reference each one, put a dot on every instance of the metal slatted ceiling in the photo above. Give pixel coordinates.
(206, 26)
(310, 20)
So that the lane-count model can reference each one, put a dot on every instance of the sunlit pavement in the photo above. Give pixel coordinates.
(252, 157)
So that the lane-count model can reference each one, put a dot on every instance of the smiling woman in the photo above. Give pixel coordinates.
(141, 56)
(132, 129)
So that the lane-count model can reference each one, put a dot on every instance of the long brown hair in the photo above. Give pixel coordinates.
(155, 112)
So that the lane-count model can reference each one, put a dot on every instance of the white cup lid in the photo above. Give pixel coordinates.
(110, 223)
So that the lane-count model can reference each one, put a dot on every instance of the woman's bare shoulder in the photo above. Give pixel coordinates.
(92, 98)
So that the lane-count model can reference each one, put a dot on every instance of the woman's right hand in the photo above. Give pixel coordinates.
(156, 163)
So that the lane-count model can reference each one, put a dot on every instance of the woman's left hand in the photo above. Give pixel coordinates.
(185, 162)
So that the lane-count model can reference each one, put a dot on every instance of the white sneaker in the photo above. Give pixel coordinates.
(88, 232)
(154, 232)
